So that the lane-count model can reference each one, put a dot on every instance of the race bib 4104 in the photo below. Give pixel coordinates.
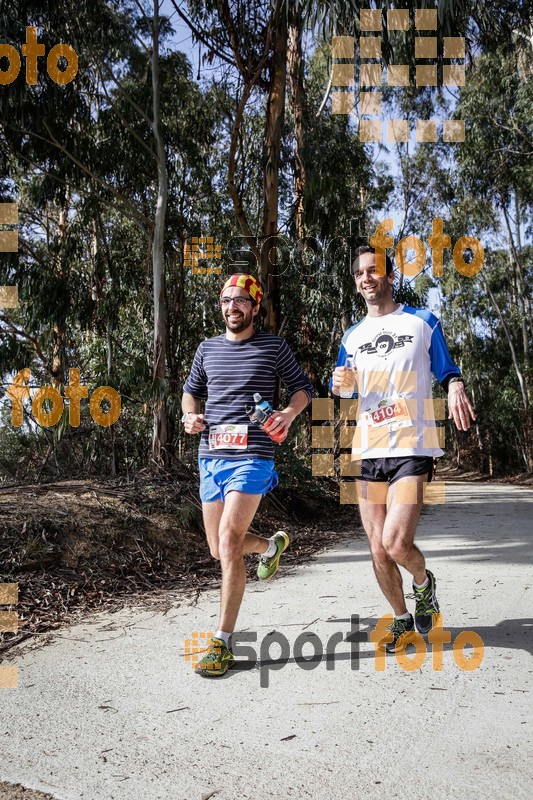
(392, 412)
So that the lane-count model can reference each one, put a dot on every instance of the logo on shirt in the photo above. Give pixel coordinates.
(384, 343)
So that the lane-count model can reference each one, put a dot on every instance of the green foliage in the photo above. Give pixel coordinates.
(80, 160)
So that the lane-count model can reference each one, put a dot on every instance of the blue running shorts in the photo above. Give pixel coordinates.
(218, 476)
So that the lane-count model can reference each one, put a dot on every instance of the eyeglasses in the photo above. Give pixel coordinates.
(239, 301)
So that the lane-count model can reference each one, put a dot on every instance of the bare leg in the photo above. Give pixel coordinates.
(212, 513)
(226, 524)
(390, 531)
(373, 516)
(400, 525)
(239, 511)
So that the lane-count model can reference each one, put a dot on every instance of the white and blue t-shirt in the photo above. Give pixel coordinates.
(395, 356)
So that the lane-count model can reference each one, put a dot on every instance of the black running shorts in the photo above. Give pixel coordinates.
(392, 469)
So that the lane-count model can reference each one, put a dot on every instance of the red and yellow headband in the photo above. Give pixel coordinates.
(246, 282)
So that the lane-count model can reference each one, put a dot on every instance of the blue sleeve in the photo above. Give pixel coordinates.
(196, 383)
(442, 364)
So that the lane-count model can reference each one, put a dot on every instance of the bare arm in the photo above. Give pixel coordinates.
(282, 420)
(459, 406)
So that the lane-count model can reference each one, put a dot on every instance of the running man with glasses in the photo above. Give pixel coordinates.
(236, 458)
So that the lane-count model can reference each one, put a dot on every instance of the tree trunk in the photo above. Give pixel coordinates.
(297, 94)
(110, 361)
(525, 299)
(519, 374)
(476, 393)
(295, 66)
(522, 297)
(59, 330)
(273, 132)
(524, 438)
(160, 426)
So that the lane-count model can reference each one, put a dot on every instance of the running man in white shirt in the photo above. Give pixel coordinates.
(396, 348)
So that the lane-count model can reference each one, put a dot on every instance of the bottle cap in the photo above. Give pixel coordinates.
(257, 398)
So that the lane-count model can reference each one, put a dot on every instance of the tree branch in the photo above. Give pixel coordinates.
(24, 335)
(201, 36)
(136, 215)
(127, 124)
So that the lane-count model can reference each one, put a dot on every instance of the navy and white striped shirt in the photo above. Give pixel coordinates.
(227, 373)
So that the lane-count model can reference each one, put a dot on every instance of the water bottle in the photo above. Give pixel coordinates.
(348, 379)
(260, 414)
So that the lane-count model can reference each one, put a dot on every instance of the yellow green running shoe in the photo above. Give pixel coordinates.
(216, 661)
(403, 631)
(269, 566)
(427, 606)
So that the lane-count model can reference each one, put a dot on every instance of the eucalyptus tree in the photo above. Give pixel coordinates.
(83, 159)
(495, 169)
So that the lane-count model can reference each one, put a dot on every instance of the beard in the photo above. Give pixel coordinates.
(239, 323)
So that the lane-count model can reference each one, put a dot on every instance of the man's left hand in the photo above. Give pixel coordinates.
(280, 422)
(459, 406)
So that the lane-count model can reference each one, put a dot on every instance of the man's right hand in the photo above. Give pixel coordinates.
(338, 376)
(194, 423)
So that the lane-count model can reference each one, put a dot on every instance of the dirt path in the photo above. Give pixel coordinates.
(110, 710)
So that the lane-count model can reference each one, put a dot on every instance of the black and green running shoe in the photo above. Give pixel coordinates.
(216, 661)
(269, 566)
(426, 605)
(403, 631)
